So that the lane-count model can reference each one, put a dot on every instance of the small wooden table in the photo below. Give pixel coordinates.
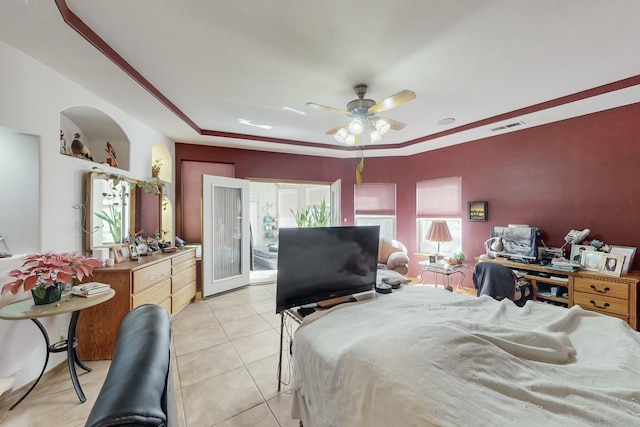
(25, 309)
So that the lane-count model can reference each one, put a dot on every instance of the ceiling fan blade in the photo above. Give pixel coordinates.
(324, 107)
(392, 101)
(395, 125)
(335, 129)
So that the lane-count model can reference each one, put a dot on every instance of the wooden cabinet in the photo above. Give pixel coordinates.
(167, 280)
(614, 296)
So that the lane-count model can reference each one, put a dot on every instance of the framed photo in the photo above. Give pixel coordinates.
(577, 253)
(628, 252)
(477, 211)
(433, 259)
(611, 264)
(592, 260)
(120, 253)
(133, 251)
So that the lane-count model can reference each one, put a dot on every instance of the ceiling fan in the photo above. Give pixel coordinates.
(363, 111)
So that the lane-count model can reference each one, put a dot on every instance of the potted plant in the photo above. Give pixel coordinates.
(457, 258)
(155, 168)
(45, 274)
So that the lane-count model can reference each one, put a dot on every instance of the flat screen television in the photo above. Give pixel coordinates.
(519, 241)
(322, 263)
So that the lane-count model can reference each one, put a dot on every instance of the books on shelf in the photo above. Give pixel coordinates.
(90, 289)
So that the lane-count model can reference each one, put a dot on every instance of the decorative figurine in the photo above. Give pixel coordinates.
(63, 144)
(112, 160)
(79, 149)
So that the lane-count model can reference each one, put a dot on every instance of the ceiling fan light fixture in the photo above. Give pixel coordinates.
(356, 126)
(382, 126)
(350, 139)
(341, 135)
(375, 136)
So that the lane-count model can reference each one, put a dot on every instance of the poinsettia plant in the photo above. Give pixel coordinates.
(44, 270)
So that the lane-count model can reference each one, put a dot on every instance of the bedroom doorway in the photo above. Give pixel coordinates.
(273, 205)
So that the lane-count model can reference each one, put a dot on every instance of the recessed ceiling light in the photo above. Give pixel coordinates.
(248, 123)
(293, 110)
(447, 121)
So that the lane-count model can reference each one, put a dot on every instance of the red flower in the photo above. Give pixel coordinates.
(44, 270)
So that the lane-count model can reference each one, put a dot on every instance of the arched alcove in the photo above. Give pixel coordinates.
(95, 129)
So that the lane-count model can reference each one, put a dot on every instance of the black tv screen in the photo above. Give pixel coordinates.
(321, 263)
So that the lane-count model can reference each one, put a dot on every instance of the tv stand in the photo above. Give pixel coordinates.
(328, 303)
(610, 295)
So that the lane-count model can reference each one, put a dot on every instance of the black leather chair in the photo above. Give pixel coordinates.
(138, 388)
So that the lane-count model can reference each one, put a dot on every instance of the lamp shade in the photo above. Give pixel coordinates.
(439, 232)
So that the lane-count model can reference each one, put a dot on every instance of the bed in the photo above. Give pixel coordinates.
(423, 356)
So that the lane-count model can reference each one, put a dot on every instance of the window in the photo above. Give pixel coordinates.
(439, 199)
(375, 204)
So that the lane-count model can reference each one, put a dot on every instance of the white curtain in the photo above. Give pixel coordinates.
(227, 259)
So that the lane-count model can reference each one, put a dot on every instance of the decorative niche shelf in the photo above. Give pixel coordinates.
(88, 133)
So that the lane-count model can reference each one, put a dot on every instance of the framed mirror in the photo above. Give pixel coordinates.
(117, 208)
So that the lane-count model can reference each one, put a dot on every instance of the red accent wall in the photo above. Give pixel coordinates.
(573, 174)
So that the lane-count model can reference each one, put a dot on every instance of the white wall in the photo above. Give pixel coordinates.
(32, 98)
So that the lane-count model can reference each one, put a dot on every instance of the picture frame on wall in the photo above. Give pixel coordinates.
(477, 211)
(577, 253)
(591, 260)
(611, 264)
(629, 254)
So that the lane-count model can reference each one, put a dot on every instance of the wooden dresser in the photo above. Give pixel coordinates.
(611, 295)
(168, 280)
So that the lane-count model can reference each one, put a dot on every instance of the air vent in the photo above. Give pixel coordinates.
(508, 126)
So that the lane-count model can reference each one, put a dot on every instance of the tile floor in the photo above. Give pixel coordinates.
(226, 358)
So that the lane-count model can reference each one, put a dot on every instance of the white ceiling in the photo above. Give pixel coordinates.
(219, 61)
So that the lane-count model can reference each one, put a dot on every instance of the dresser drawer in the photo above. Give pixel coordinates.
(183, 297)
(149, 276)
(177, 269)
(182, 258)
(602, 304)
(601, 287)
(154, 295)
(183, 279)
(166, 304)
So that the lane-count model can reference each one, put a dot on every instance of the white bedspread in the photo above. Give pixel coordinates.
(422, 356)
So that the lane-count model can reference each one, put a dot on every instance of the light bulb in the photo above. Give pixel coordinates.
(382, 126)
(375, 136)
(356, 126)
(350, 139)
(341, 135)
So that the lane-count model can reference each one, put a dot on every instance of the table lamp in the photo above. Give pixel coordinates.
(491, 246)
(438, 232)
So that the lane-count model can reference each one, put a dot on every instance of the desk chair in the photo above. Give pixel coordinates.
(500, 282)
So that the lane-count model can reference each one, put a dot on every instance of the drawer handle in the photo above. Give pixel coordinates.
(603, 307)
(606, 289)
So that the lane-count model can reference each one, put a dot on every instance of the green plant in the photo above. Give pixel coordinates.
(313, 216)
(40, 271)
(459, 256)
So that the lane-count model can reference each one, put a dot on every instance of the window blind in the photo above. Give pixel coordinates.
(375, 199)
(439, 198)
